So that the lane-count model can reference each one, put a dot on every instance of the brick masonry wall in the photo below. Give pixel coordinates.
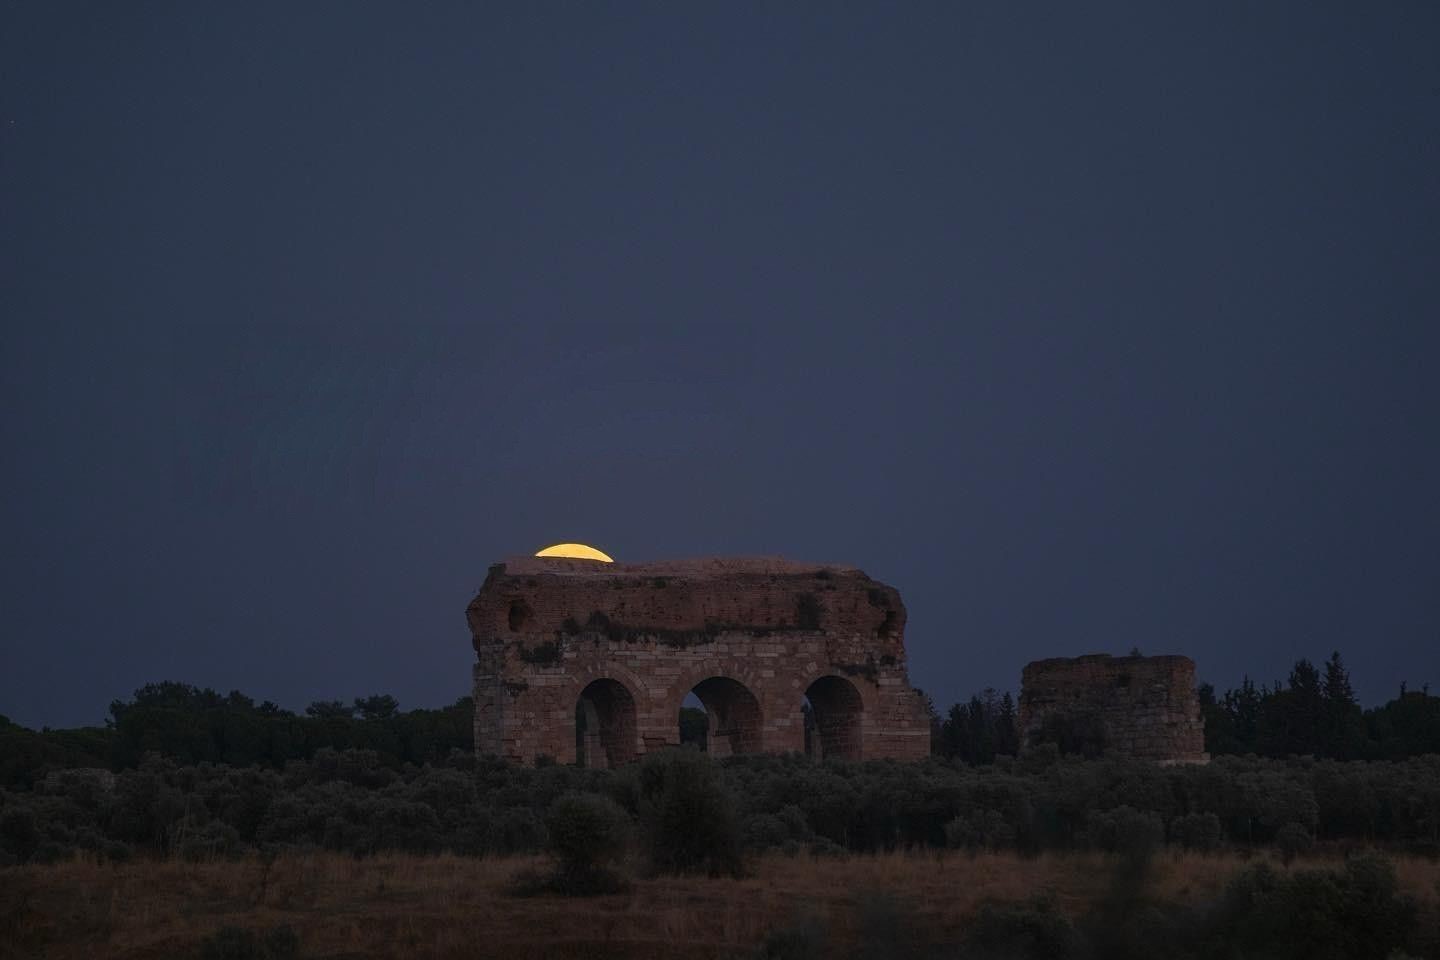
(1147, 705)
(544, 629)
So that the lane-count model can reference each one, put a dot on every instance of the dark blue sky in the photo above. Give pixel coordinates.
(1088, 327)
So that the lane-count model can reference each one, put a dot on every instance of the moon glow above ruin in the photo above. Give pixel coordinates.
(575, 551)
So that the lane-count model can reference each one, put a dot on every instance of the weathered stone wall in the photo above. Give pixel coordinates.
(1147, 706)
(625, 644)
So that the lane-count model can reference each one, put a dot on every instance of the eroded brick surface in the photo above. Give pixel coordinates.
(1147, 706)
(624, 644)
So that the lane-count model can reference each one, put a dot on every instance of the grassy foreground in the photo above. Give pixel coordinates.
(449, 906)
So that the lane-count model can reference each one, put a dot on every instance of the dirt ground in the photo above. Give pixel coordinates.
(450, 907)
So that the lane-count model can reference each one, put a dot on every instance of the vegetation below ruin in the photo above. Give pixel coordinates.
(355, 801)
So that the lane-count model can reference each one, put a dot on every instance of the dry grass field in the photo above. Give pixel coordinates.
(449, 906)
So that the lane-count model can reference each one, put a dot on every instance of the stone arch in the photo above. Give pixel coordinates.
(733, 711)
(838, 714)
(606, 724)
(734, 702)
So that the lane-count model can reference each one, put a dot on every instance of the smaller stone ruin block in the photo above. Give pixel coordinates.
(1138, 708)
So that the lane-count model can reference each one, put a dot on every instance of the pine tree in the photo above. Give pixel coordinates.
(1344, 722)
(1337, 687)
(1007, 738)
(1303, 712)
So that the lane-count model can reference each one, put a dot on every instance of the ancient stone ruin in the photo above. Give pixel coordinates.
(590, 662)
(1142, 708)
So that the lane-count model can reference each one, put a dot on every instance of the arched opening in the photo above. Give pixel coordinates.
(604, 725)
(731, 717)
(833, 713)
(694, 722)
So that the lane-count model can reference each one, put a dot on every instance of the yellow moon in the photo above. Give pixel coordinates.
(574, 551)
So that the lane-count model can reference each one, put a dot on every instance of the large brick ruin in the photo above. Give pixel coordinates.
(1142, 708)
(590, 662)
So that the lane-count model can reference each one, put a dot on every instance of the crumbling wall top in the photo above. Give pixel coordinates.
(695, 567)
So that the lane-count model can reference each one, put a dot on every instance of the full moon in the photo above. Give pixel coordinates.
(574, 551)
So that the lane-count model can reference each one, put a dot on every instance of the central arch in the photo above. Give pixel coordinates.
(605, 725)
(733, 718)
(834, 724)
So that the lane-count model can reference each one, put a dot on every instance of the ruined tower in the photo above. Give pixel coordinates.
(1139, 708)
(591, 661)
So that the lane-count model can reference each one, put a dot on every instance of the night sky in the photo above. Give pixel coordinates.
(1088, 326)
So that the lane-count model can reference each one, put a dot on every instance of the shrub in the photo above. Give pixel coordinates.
(765, 831)
(1126, 830)
(237, 943)
(1426, 849)
(50, 851)
(1292, 840)
(117, 851)
(803, 939)
(1197, 831)
(979, 830)
(688, 818)
(825, 847)
(1355, 913)
(212, 841)
(885, 929)
(794, 820)
(19, 833)
(516, 830)
(588, 834)
(1033, 930)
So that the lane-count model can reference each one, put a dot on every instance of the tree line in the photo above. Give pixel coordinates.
(197, 725)
(1315, 713)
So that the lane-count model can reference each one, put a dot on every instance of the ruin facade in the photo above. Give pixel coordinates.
(1140, 708)
(590, 662)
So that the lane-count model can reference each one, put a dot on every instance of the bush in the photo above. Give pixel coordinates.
(1033, 930)
(588, 834)
(979, 830)
(50, 851)
(117, 852)
(804, 939)
(213, 841)
(825, 847)
(1197, 831)
(1127, 831)
(885, 929)
(1292, 840)
(687, 816)
(765, 831)
(237, 943)
(1356, 913)
(19, 833)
